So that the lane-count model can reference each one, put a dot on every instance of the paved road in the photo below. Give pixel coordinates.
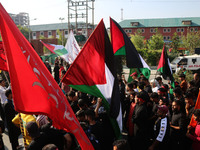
(7, 141)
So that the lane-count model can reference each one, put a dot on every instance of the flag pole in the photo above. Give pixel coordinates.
(22, 130)
(6, 77)
(156, 74)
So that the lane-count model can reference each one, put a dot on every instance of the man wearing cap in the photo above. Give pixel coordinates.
(183, 84)
(134, 76)
(161, 130)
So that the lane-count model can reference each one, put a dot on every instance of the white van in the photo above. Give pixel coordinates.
(191, 62)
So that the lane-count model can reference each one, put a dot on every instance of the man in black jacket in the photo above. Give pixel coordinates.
(178, 126)
(13, 131)
(139, 119)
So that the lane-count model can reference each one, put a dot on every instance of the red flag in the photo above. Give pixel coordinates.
(34, 89)
(3, 63)
(193, 123)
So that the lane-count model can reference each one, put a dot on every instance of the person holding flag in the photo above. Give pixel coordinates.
(164, 67)
(34, 89)
(195, 136)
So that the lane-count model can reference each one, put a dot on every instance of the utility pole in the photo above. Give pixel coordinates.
(93, 14)
(76, 17)
(80, 9)
(122, 14)
(68, 17)
(29, 29)
(62, 31)
(86, 19)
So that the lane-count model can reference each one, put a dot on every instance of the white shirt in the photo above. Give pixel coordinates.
(2, 94)
(155, 89)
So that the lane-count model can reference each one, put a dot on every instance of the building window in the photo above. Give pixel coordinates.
(139, 30)
(49, 33)
(196, 29)
(168, 37)
(41, 33)
(130, 31)
(164, 37)
(152, 30)
(191, 29)
(164, 30)
(186, 22)
(182, 29)
(143, 30)
(34, 34)
(57, 35)
(126, 31)
(168, 30)
(134, 23)
(178, 30)
(66, 32)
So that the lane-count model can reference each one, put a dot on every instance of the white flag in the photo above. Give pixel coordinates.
(72, 47)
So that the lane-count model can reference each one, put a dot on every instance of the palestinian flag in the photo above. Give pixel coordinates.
(164, 67)
(122, 45)
(145, 71)
(93, 72)
(57, 49)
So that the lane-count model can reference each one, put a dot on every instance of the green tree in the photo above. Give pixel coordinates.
(191, 41)
(138, 40)
(156, 42)
(175, 44)
(41, 37)
(60, 37)
(24, 30)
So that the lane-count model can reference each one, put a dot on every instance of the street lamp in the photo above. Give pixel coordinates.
(29, 30)
(61, 19)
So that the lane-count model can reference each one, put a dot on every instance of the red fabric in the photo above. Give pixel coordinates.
(193, 123)
(117, 38)
(3, 63)
(196, 138)
(90, 62)
(130, 125)
(60, 71)
(50, 47)
(34, 89)
(162, 59)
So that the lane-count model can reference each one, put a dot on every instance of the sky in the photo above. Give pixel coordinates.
(49, 11)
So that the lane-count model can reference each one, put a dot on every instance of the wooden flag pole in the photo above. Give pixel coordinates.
(6, 77)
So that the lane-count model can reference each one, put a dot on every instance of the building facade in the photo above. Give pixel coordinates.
(166, 26)
(20, 19)
(50, 30)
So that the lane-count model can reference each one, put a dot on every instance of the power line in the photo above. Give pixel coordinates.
(165, 1)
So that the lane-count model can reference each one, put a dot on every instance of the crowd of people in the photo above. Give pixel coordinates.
(156, 116)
